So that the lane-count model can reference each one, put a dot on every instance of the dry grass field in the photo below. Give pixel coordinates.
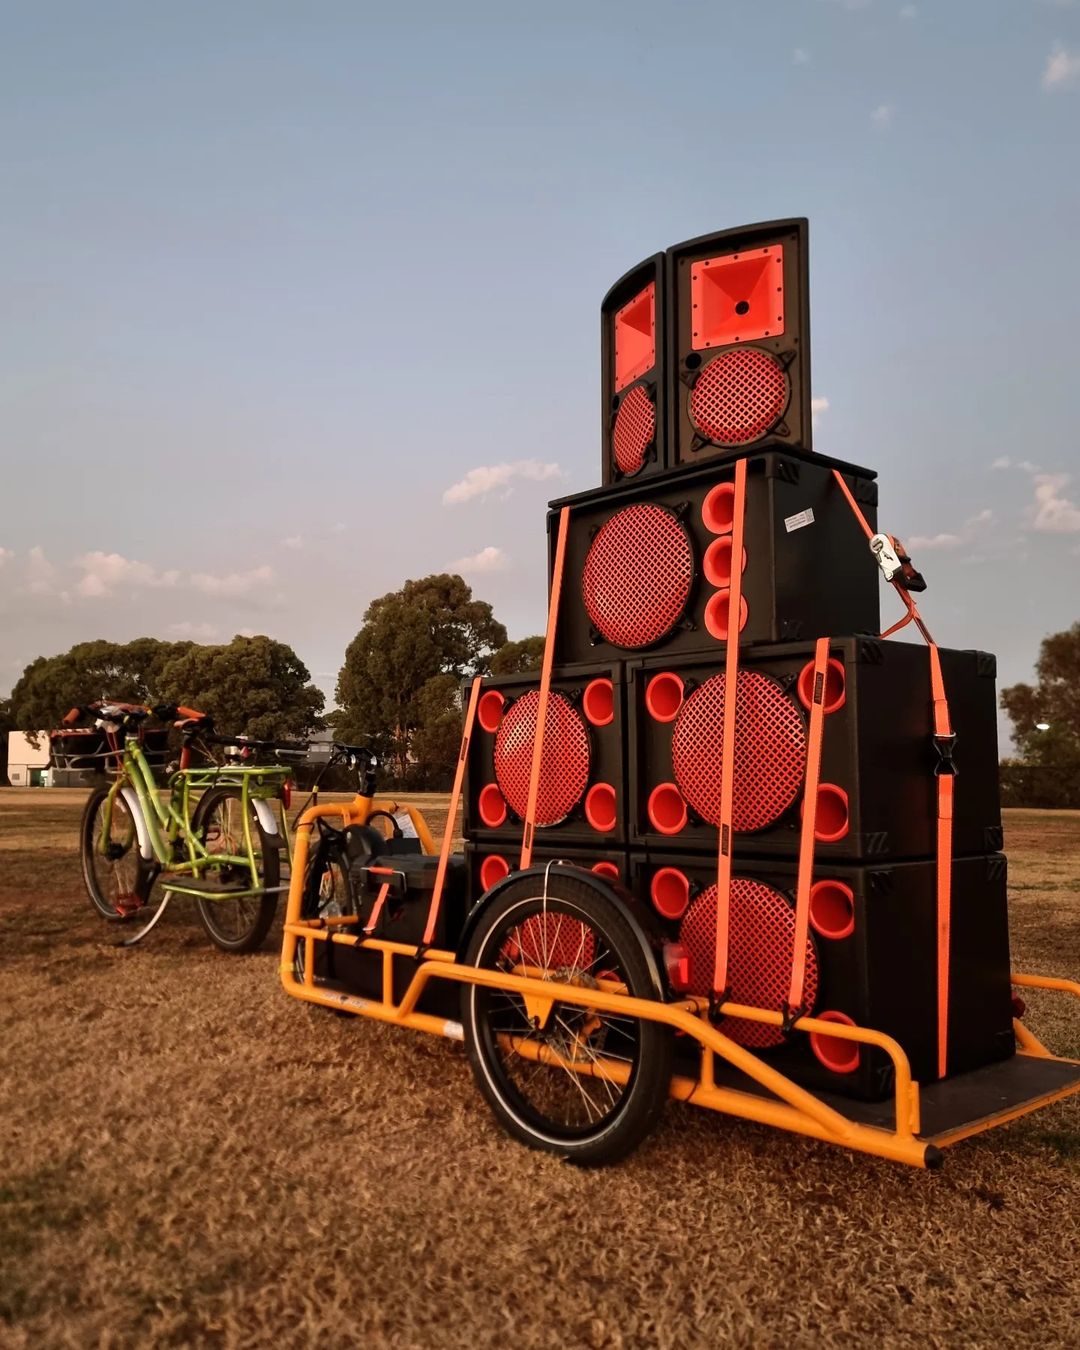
(191, 1158)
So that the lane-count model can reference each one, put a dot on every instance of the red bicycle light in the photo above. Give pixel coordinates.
(492, 870)
(666, 809)
(717, 616)
(718, 509)
(600, 807)
(490, 710)
(607, 869)
(670, 892)
(832, 909)
(835, 685)
(832, 819)
(664, 696)
(677, 965)
(492, 806)
(717, 562)
(598, 702)
(839, 1056)
(286, 793)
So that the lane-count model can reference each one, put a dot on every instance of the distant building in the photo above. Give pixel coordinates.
(28, 767)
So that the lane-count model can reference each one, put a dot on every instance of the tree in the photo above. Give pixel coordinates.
(516, 658)
(1054, 700)
(437, 738)
(252, 686)
(6, 726)
(429, 628)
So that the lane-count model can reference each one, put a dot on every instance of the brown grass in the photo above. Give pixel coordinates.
(190, 1157)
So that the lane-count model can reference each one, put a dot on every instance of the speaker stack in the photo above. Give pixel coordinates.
(705, 362)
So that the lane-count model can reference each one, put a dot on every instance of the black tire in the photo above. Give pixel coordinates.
(326, 893)
(541, 1104)
(120, 876)
(239, 925)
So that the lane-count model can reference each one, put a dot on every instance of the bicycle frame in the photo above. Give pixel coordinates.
(161, 825)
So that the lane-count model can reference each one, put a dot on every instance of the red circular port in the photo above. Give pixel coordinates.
(607, 869)
(832, 820)
(670, 891)
(666, 808)
(837, 1055)
(492, 806)
(492, 871)
(718, 509)
(664, 696)
(835, 685)
(716, 614)
(598, 702)
(490, 710)
(600, 807)
(717, 562)
(832, 909)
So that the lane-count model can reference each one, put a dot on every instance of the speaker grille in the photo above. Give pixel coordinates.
(637, 576)
(564, 765)
(739, 396)
(761, 940)
(552, 941)
(770, 750)
(635, 427)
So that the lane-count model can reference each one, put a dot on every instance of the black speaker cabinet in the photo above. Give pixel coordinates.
(489, 862)
(649, 566)
(634, 378)
(877, 796)
(871, 959)
(740, 341)
(582, 794)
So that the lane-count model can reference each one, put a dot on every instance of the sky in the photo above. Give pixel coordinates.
(302, 300)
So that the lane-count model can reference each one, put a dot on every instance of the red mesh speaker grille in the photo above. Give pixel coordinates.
(637, 576)
(739, 396)
(564, 766)
(761, 939)
(553, 941)
(635, 427)
(770, 750)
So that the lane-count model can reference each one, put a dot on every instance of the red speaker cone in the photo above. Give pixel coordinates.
(761, 936)
(739, 396)
(637, 576)
(564, 766)
(492, 870)
(634, 430)
(838, 1055)
(770, 750)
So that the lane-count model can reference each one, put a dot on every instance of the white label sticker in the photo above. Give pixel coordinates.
(796, 522)
(405, 825)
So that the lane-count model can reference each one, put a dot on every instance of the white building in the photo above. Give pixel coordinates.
(26, 766)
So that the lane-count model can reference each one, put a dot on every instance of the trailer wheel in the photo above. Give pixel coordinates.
(583, 1084)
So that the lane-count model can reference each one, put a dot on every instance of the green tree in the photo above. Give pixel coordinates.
(516, 658)
(252, 686)
(429, 628)
(1053, 700)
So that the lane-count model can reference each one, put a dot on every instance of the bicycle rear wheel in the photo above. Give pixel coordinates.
(118, 879)
(239, 923)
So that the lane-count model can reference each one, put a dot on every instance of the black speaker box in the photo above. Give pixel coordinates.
(877, 796)
(739, 319)
(489, 862)
(872, 960)
(634, 378)
(582, 794)
(648, 564)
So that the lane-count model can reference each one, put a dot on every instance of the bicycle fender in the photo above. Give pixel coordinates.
(648, 935)
(131, 800)
(267, 819)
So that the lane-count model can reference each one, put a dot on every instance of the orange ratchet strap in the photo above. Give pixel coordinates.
(545, 686)
(451, 819)
(795, 1008)
(945, 772)
(727, 749)
(380, 899)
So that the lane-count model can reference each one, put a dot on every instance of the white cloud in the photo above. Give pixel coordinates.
(5, 554)
(293, 541)
(102, 573)
(883, 114)
(489, 559)
(1053, 513)
(953, 539)
(232, 584)
(800, 57)
(40, 573)
(199, 632)
(486, 478)
(1062, 67)
(817, 407)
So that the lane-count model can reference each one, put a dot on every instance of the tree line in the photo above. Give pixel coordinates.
(398, 689)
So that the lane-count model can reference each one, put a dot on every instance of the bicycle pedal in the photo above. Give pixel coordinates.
(126, 905)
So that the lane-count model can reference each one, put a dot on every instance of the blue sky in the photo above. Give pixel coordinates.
(276, 277)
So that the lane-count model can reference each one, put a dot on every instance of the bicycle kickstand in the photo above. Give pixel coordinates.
(138, 937)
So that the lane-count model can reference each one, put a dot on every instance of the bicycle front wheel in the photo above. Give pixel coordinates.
(117, 879)
(236, 923)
